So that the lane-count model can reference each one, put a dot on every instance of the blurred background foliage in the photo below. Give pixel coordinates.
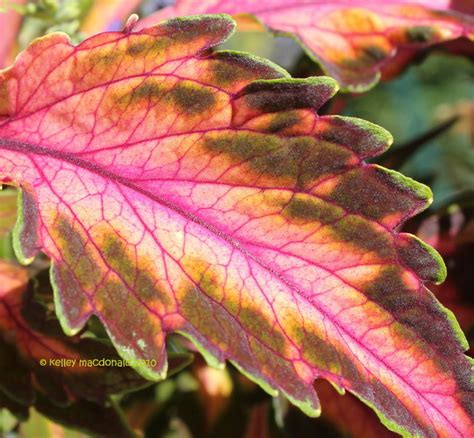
(429, 109)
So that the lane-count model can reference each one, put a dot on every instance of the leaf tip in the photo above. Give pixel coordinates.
(311, 408)
(421, 191)
(421, 258)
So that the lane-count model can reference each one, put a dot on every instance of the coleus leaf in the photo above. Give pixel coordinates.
(342, 416)
(352, 41)
(10, 20)
(452, 234)
(72, 396)
(83, 415)
(215, 387)
(257, 425)
(7, 211)
(29, 334)
(348, 415)
(180, 191)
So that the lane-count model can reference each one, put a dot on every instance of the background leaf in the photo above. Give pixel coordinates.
(7, 211)
(10, 20)
(76, 396)
(354, 42)
(438, 90)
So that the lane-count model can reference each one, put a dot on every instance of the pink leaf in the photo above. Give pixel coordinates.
(10, 21)
(178, 191)
(353, 41)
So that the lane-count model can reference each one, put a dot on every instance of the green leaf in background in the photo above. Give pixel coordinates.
(7, 211)
(7, 222)
(40, 426)
(428, 94)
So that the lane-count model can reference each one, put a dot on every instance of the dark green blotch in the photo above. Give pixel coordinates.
(302, 159)
(88, 274)
(362, 234)
(73, 299)
(120, 306)
(386, 401)
(147, 90)
(263, 153)
(147, 289)
(261, 329)
(242, 146)
(123, 310)
(358, 138)
(230, 67)
(103, 60)
(196, 309)
(271, 97)
(184, 31)
(76, 254)
(29, 223)
(389, 291)
(189, 29)
(322, 355)
(372, 193)
(192, 99)
(210, 320)
(142, 48)
(283, 121)
(420, 34)
(303, 207)
(115, 253)
(416, 257)
(137, 48)
(227, 71)
(316, 158)
(415, 310)
(210, 287)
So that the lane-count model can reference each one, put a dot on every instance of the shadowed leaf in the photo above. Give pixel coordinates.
(32, 339)
(10, 20)
(93, 419)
